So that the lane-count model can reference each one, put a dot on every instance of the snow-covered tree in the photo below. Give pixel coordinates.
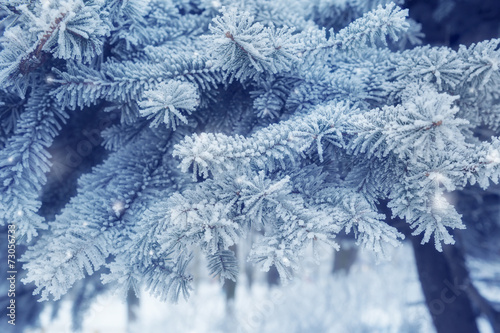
(285, 122)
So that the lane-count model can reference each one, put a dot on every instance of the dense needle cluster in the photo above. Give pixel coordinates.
(235, 120)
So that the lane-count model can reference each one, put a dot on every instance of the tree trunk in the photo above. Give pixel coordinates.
(230, 292)
(344, 258)
(272, 276)
(456, 259)
(445, 291)
(230, 288)
(132, 311)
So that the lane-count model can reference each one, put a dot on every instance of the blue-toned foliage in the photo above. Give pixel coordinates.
(287, 122)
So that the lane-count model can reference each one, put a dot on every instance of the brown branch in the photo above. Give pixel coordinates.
(230, 36)
(26, 65)
(434, 124)
(49, 33)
